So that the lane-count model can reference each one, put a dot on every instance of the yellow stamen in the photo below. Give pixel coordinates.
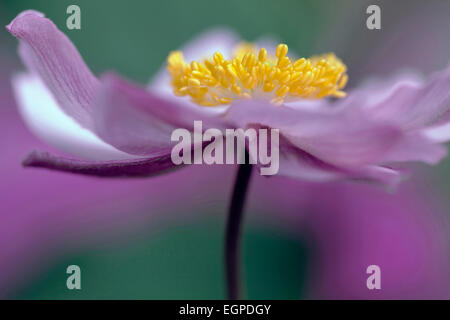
(256, 74)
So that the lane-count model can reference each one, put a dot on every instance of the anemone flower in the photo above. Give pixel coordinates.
(116, 128)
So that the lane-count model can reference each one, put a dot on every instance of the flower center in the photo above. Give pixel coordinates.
(252, 74)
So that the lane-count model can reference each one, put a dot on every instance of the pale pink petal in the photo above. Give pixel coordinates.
(298, 164)
(48, 52)
(137, 122)
(416, 146)
(440, 133)
(45, 118)
(415, 104)
(378, 174)
(144, 167)
(340, 138)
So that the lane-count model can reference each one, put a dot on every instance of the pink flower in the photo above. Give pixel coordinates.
(120, 129)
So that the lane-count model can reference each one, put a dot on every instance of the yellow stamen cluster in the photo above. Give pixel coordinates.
(251, 74)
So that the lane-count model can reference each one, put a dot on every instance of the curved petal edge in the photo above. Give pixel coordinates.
(120, 168)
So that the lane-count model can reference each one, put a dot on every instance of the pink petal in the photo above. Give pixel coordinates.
(48, 52)
(384, 176)
(296, 163)
(120, 168)
(415, 104)
(137, 122)
(46, 119)
(122, 115)
(340, 138)
(440, 133)
(416, 146)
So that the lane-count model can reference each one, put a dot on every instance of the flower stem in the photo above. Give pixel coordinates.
(233, 232)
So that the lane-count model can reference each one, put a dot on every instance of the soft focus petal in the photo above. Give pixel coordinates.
(340, 138)
(391, 101)
(45, 119)
(416, 146)
(296, 163)
(405, 234)
(416, 104)
(440, 133)
(123, 118)
(131, 119)
(48, 52)
(120, 168)
(136, 121)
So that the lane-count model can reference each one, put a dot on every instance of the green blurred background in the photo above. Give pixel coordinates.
(134, 37)
(181, 263)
